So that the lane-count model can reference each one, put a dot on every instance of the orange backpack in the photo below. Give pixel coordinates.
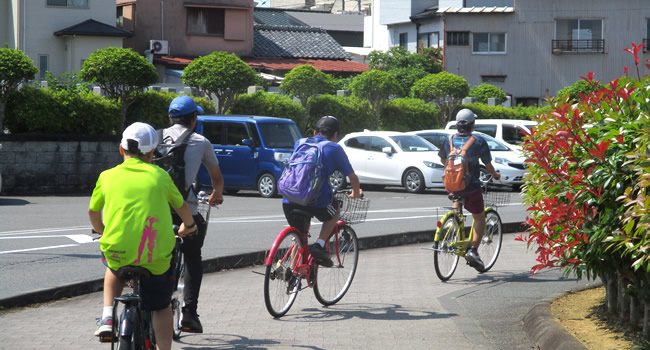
(457, 176)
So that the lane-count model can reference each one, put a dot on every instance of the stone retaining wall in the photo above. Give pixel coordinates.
(55, 166)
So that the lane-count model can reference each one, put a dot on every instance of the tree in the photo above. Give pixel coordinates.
(120, 73)
(221, 74)
(445, 89)
(377, 87)
(305, 82)
(484, 91)
(574, 90)
(405, 66)
(15, 69)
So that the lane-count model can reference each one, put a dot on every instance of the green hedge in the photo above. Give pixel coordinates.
(271, 105)
(407, 114)
(353, 113)
(484, 111)
(34, 110)
(152, 107)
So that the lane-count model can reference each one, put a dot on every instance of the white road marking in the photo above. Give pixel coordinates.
(38, 248)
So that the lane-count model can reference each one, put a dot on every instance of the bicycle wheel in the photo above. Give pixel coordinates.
(445, 258)
(177, 301)
(126, 332)
(333, 282)
(492, 239)
(281, 286)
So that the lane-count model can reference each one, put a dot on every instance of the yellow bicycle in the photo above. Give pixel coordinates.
(451, 243)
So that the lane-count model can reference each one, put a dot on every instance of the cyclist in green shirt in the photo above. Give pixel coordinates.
(136, 227)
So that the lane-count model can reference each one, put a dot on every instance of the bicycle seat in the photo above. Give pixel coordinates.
(455, 197)
(126, 273)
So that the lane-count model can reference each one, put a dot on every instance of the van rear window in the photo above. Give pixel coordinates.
(280, 135)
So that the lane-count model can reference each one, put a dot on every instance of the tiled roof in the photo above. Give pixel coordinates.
(276, 18)
(494, 9)
(277, 63)
(296, 42)
(322, 65)
(91, 27)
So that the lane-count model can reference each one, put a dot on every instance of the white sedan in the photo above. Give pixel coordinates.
(387, 158)
(508, 161)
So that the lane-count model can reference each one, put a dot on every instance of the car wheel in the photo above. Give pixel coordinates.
(267, 186)
(414, 181)
(338, 181)
(485, 176)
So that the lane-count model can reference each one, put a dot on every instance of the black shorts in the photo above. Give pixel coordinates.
(156, 291)
(322, 214)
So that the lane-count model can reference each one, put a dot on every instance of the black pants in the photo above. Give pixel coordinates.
(193, 263)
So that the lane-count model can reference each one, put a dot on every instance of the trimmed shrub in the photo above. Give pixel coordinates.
(484, 91)
(33, 110)
(406, 114)
(271, 105)
(353, 113)
(152, 107)
(484, 111)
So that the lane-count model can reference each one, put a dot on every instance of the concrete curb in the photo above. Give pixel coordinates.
(224, 263)
(544, 331)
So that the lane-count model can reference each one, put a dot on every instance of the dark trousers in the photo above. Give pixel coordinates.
(191, 249)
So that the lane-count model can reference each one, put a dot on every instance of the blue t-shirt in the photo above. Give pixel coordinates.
(478, 150)
(334, 158)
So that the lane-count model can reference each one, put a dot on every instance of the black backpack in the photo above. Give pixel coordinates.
(171, 158)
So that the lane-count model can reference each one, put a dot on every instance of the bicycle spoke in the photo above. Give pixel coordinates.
(492, 239)
(332, 283)
(280, 284)
(445, 259)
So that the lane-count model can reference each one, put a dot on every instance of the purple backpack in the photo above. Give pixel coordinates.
(303, 177)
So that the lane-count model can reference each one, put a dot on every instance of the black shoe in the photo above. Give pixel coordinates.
(320, 255)
(190, 322)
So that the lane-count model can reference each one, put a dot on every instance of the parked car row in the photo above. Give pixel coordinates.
(252, 151)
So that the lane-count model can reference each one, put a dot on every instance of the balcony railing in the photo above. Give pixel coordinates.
(594, 45)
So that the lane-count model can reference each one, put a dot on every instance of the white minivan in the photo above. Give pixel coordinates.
(509, 131)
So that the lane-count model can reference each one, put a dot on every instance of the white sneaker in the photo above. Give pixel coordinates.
(474, 260)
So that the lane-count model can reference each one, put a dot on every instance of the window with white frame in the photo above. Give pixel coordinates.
(579, 35)
(428, 39)
(404, 40)
(68, 3)
(42, 66)
(489, 43)
(208, 21)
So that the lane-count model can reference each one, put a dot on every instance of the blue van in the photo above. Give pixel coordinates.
(252, 150)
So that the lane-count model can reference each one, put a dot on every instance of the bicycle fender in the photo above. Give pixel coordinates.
(274, 247)
(436, 237)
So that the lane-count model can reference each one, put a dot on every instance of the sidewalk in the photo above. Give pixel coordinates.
(395, 302)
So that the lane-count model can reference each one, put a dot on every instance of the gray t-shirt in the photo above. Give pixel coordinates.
(199, 151)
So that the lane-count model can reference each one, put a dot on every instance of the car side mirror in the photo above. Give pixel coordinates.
(247, 142)
(387, 150)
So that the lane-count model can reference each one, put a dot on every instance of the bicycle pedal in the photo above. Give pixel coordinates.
(107, 338)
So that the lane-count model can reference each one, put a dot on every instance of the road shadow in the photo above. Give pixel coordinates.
(505, 276)
(383, 312)
(13, 202)
(215, 341)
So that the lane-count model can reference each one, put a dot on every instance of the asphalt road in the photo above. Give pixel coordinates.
(45, 242)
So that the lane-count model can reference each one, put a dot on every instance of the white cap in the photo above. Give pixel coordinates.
(143, 133)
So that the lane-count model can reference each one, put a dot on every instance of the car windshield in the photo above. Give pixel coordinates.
(493, 144)
(412, 143)
(279, 135)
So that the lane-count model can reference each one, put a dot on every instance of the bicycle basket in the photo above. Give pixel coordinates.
(204, 209)
(353, 210)
(496, 196)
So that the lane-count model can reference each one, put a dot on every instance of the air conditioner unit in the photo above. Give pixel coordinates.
(159, 47)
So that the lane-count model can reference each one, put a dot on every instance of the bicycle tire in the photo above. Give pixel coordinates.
(492, 239)
(281, 286)
(125, 340)
(139, 332)
(445, 259)
(333, 282)
(178, 301)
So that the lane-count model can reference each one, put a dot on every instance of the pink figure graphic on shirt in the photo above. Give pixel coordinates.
(148, 234)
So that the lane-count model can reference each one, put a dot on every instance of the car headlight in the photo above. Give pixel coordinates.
(432, 164)
(501, 160)
(282, 157)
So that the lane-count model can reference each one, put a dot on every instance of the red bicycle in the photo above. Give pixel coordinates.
(289, 261)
